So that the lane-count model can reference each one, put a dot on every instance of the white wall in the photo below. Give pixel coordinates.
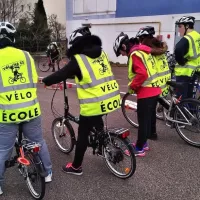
(108, 29)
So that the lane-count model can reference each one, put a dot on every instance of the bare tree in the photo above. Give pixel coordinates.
(57, 29)
(10, 10)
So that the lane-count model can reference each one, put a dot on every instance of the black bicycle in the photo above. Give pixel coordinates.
(29, 164)
(112, 145)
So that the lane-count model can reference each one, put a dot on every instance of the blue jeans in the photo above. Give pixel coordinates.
(31, 130)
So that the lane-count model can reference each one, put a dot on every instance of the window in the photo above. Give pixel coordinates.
(29, 7)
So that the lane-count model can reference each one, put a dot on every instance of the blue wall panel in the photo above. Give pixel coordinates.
(133, 8)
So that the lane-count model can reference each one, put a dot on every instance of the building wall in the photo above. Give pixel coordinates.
(127, 19)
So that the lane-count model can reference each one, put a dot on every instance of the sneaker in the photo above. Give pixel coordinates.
(145, 147)
(1, 192)
(71, 170)
(139, 153)
(153, 136)
(48, 178)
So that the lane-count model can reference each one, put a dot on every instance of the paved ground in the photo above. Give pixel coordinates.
(170, 170)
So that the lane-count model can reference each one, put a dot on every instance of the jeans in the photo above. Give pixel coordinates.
(146, 112)
(31, 130)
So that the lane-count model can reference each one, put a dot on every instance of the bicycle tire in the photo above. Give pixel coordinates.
(32, 158)
(129, 146)
(43, 65)
(178, 127)
(159, 115)
(70, 132)
(133, 109)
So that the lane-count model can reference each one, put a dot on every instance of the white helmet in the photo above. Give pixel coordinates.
(186, 20)
(7, 30)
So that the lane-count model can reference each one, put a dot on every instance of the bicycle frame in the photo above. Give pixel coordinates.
(174, 102)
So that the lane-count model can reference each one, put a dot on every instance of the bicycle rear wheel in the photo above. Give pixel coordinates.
(34, 180)
(63, 135)
(191, 110)
(43, 64)
(117, 152)
(129, 109)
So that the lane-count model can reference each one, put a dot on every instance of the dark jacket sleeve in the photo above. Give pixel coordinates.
(69, 71)
(181, 50)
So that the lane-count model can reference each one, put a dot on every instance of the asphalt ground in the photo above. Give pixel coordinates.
(169, 171)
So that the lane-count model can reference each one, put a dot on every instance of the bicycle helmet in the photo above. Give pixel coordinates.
(121, 39)
(186, 20)
(79, 32)
(146, 31)
(7, 30)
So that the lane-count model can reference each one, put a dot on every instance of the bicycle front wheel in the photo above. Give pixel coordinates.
(119, 157)
(43, 64)
(187, 112)
(129, 109)
(34, 180)
(63, 135)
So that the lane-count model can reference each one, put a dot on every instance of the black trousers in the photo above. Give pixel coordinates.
(85, 126)
(146, 112)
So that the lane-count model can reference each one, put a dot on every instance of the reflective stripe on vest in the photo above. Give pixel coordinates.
(98, 92)
(20, 86)
(151, 77)
(193, 48)
(193, 56)
(18, 100)
(94, 80)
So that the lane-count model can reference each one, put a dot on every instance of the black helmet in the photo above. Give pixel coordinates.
(80, 32)
(145, 31)
(121, 38)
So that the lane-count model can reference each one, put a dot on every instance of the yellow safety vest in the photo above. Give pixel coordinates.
(193, 56)
(98, 91)
(150, 65)
(18, 97)
(163, 73)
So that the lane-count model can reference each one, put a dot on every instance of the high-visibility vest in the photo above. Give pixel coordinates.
(193, 56)
(98, 91)
(18, 92)
(163, 73)
(150, 65)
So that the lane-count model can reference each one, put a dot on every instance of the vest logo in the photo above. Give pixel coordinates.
(164, 64)
(17, 76)
(150, 58)
(198, 41)
(103, 69)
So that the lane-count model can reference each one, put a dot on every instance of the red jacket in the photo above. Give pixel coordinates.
(141, 75)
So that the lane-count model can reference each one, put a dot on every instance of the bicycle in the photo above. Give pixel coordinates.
(46, 63)
(29, 164)
(105, 144)
(180, 113)
(22, 79)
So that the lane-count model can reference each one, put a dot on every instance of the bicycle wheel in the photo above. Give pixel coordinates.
(129, 109)
(11, 80)
(188, 111)
(34, 180)
(120, 150)
(43, 64)
(65, 139)
(22, 79)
